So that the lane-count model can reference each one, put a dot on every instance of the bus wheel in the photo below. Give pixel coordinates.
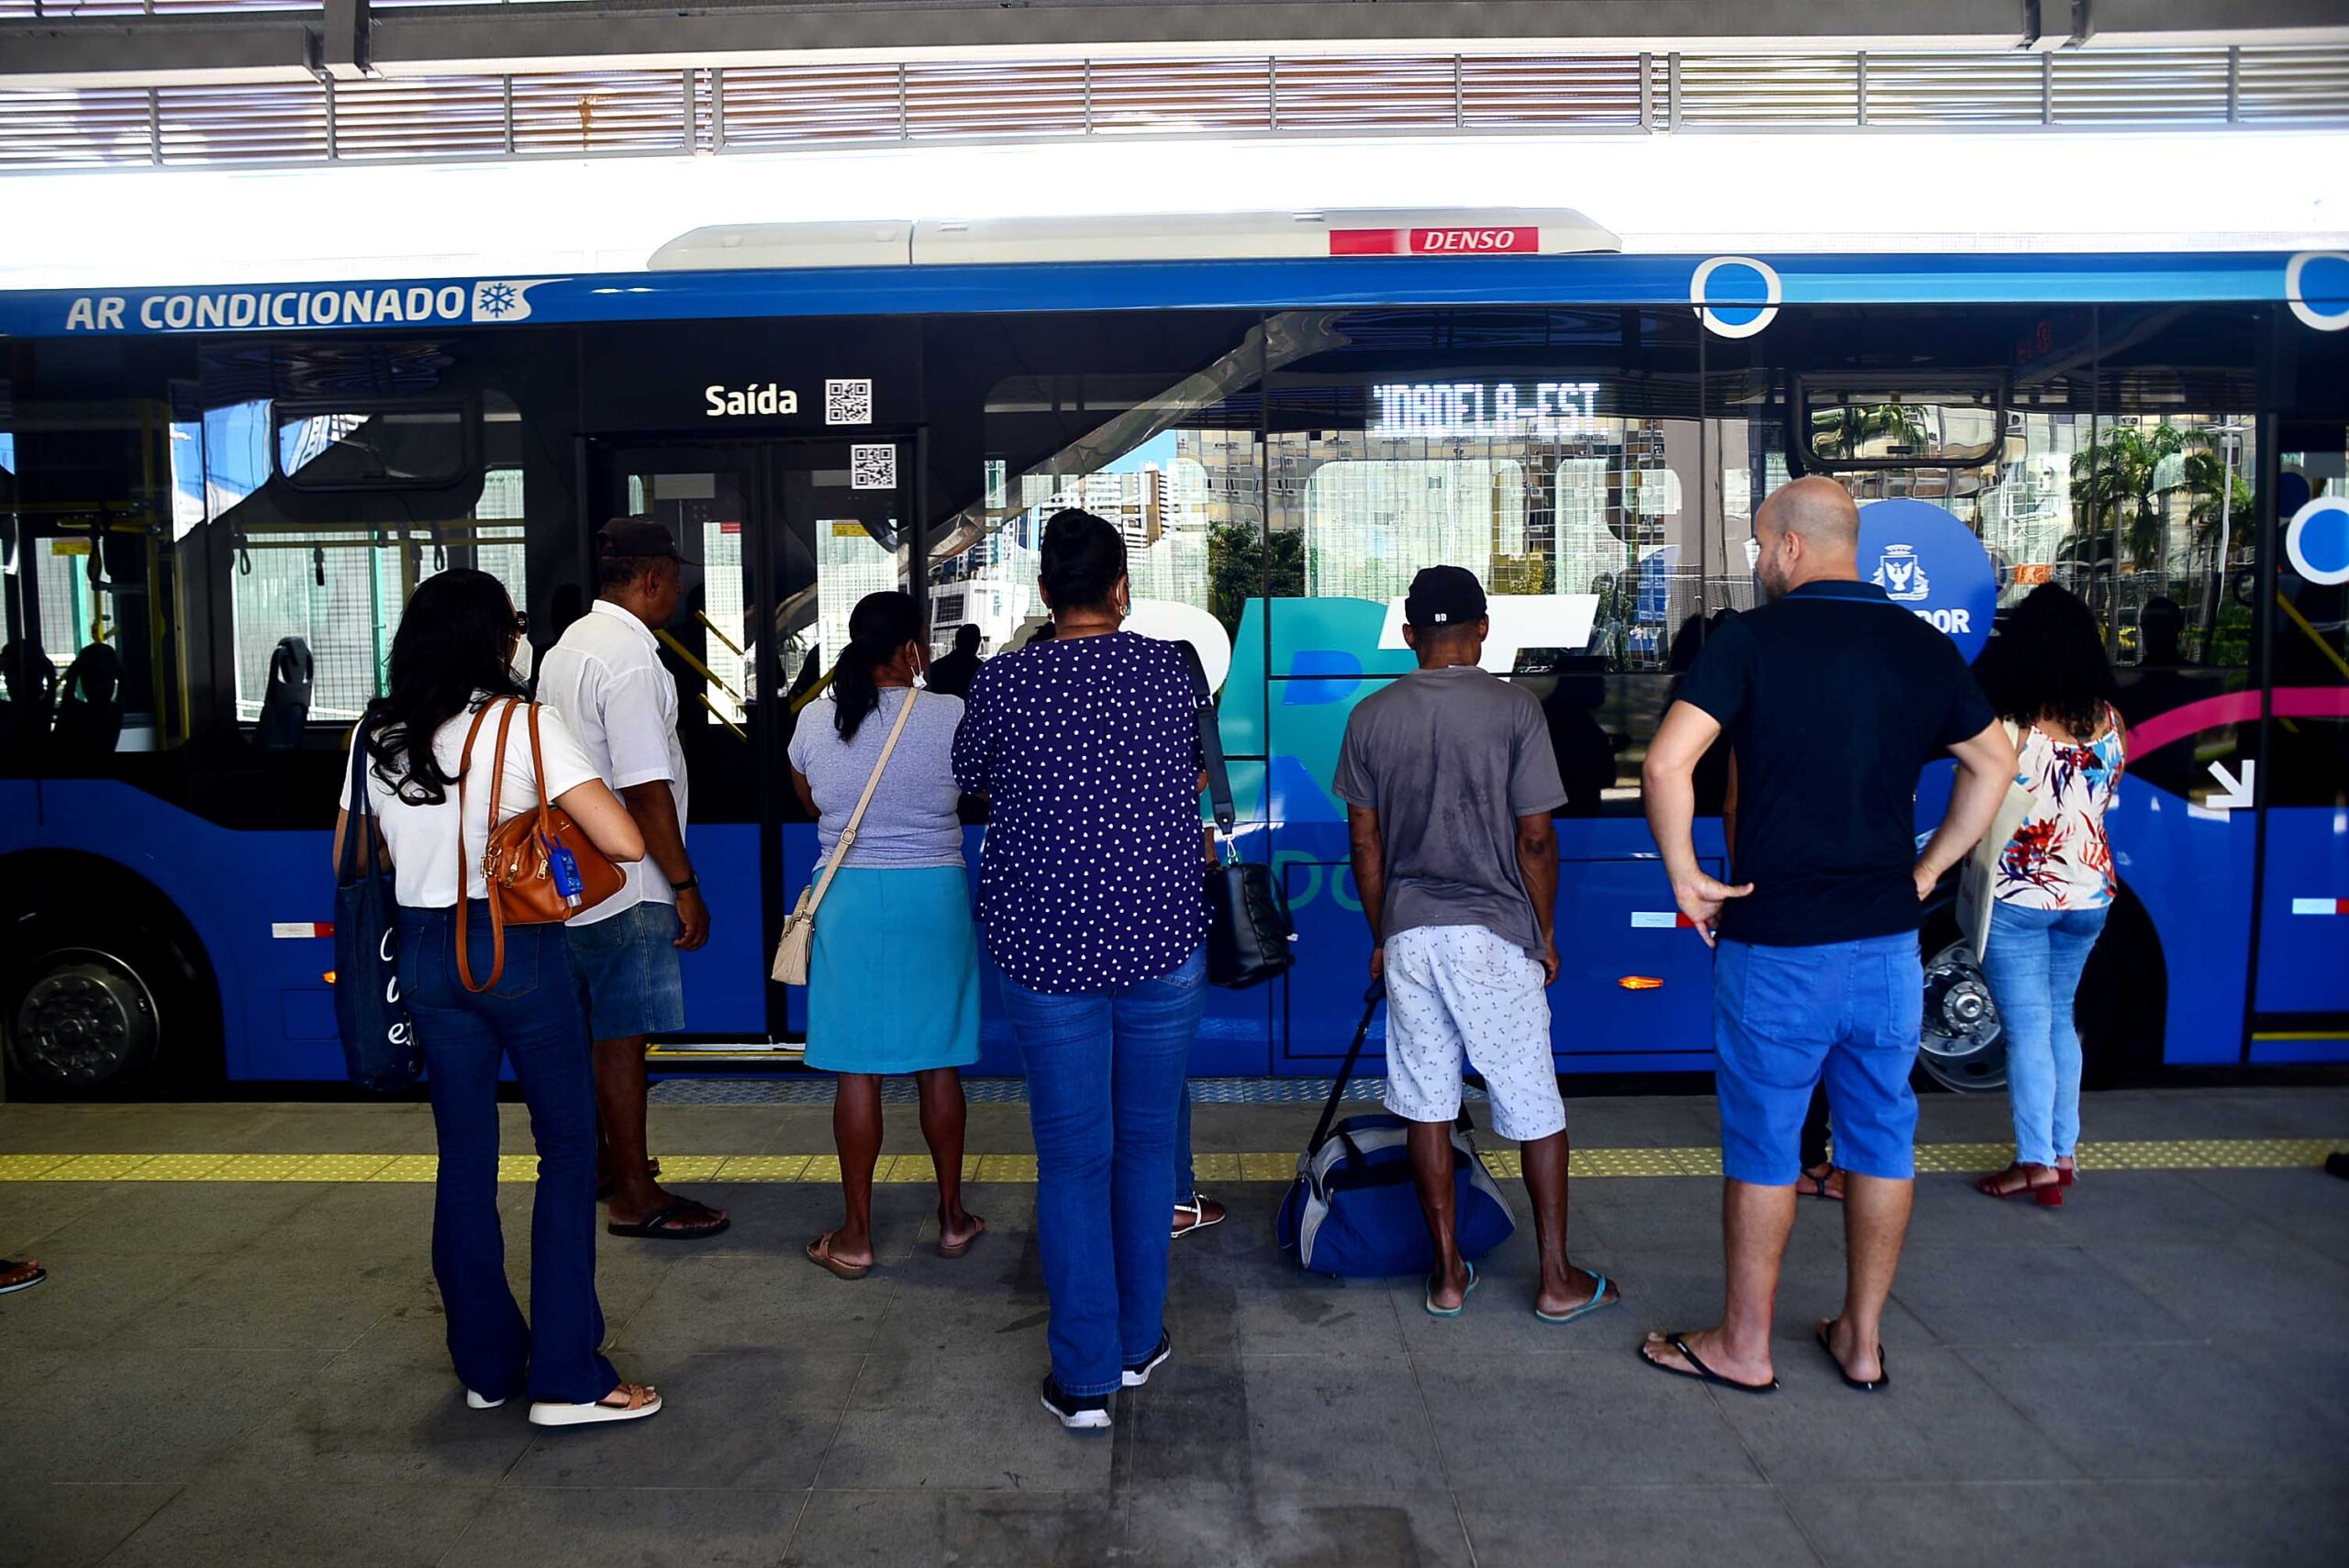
(1964, 1044)
(100, 1006)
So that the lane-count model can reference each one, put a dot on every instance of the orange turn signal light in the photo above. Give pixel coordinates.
(327, 978)
(1640, 982)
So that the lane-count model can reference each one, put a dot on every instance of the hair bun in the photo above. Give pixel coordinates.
(1080, 558)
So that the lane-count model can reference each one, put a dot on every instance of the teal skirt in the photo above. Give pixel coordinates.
(893, 981)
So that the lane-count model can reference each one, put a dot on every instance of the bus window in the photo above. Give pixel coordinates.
(329, 600)
(1553, 452)
(1149, 421)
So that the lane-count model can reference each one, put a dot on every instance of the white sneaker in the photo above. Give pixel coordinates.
(636, 1401)
(481, 1401)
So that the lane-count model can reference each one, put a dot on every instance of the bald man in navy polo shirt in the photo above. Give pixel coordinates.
(1834, 699)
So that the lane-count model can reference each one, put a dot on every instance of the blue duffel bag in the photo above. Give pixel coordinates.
(1353, 1209)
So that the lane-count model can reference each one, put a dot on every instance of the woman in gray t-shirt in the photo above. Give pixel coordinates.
(870, 1011)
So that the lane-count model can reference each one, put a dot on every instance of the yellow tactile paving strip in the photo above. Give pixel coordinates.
(2174, 1154)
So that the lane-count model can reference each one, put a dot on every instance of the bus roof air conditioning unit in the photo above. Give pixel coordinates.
(1165, 236)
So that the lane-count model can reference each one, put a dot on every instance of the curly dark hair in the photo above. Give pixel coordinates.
(2048, 661)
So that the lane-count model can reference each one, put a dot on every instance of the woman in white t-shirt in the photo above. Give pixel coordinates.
(460, 645)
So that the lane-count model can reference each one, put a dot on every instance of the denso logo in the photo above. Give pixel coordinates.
(1475, 238)
(726, 401)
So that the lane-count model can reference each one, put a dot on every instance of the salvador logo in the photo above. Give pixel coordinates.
(1903, 576)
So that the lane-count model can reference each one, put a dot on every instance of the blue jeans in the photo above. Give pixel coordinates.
(1786, 1020)
(1186, 1179)
(2033, 961)
(1105, 1075)
(532, 1018)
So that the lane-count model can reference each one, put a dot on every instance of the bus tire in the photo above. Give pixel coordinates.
(105, 996)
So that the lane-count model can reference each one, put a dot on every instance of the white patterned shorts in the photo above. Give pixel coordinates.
(1460, 990)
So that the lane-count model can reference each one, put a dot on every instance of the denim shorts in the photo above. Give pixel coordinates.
(627, 967)
(1787, 1017)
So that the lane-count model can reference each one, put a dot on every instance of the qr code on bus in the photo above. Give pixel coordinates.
(848, 402)
(872, 467)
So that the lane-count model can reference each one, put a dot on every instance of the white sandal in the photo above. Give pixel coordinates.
(637, 1400)
(1198, 1209)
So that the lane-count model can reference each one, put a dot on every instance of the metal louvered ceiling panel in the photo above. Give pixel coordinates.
(1167, 96)
(1343, 93)
(995, 98)
(1769, 90)
(600, 111)
(1548, 91)
(62, 130)
(2281, 84)
(1954, 89)
(418, 116)
(2139, 85)
(238, 124)
(784, 105)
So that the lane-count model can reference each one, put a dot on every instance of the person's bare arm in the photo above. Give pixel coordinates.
(604, 819)
(1986, 766)
(805, 791)
(343, 826)
(1537, 863)
(1669, 781)
(654, 806)
(1367, 850)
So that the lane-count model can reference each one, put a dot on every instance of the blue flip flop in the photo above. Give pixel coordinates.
(1435, 1311)
(1598, 1303)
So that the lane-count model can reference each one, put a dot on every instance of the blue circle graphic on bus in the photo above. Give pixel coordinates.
(2316, 286)
(1735, 296)
(1929, 563)
(2318, 541)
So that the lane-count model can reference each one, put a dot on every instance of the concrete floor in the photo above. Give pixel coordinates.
(252, 1373)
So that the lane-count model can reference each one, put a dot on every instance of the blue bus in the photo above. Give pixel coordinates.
(216, 501)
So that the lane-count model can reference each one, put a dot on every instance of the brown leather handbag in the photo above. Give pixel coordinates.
(520, 865)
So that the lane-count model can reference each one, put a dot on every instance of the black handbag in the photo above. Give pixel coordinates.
(1249, 930)
(378, 1049)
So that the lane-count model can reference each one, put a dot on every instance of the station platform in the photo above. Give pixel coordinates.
(238, 1358)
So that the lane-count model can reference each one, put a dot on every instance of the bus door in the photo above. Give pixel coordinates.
(781, 538)
(2301, 992)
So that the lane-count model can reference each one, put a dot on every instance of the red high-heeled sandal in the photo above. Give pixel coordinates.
(2047, 1195)
(2066, 1172)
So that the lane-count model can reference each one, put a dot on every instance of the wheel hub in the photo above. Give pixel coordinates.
(1962, 1044)
(83, 1020)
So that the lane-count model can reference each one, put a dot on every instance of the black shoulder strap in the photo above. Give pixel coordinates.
(1370, 1000)
(361, 811)
(1210, 743)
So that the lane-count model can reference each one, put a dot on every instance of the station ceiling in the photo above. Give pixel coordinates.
(75, 43)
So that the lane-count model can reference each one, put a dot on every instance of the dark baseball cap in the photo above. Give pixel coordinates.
(635, 537)
(1443, 597)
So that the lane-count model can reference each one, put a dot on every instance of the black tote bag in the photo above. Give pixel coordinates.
(1249, 930)
(378, 1049)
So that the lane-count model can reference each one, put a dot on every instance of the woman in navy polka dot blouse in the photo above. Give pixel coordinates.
(1094, 907)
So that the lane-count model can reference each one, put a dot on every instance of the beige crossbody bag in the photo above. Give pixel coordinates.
(1977, 879)
(797, 942)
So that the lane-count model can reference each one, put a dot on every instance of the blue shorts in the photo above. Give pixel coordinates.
(1784, 1017)
(628, 968)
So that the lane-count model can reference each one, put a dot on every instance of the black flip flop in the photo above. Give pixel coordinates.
(1883, 1373)
(655, 1226)
(1699, 1372)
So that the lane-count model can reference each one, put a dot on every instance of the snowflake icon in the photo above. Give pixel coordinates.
(497, 299)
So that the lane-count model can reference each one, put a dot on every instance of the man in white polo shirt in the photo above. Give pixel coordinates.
(605, 676)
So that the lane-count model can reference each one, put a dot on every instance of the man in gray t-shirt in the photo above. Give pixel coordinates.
(1449, 782)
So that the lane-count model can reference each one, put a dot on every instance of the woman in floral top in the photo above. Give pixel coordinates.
(2055, 885)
